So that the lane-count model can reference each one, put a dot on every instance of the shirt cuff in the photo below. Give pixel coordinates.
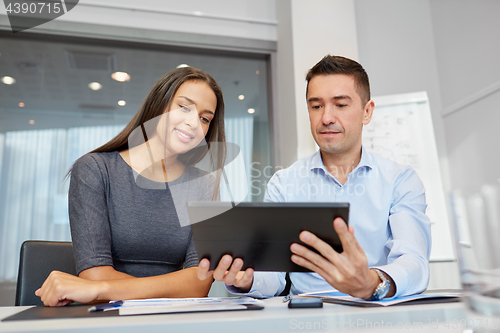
(398, 276)
(265, 285)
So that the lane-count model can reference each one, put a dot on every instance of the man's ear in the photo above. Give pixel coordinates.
(368, 112)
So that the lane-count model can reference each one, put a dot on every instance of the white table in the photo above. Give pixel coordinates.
(276, 317)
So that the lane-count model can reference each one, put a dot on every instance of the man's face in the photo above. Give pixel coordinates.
(336, 113)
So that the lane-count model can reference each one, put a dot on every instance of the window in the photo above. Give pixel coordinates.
(59, 101)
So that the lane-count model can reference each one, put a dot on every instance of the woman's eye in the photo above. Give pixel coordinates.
(205, 120)
(185, 108)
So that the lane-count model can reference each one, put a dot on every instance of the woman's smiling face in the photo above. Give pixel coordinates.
(188, 120)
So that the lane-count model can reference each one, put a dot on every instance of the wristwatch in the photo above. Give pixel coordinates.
(382, 289)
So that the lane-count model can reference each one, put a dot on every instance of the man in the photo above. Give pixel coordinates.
(386, 247)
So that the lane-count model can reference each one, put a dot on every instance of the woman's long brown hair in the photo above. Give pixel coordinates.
(158, 100)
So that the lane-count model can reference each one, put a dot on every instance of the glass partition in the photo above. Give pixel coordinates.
(58, 100)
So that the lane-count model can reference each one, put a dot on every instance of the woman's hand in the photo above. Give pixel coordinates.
(229, 272)
(61, 288)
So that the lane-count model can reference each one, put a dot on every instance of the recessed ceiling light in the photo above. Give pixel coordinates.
(257, 72)
(21, 105)
(122, 103)
(251, 110)
(32, 122)
(241, 97)
(183, 65)
(8, 80)
(120, 76)
(95, 85)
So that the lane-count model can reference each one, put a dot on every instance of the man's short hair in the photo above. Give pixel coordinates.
(340, 65)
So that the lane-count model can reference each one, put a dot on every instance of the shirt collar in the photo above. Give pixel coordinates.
(366, 160)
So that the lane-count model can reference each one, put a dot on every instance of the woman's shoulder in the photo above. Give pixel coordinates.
(94, 162)
(92, 159)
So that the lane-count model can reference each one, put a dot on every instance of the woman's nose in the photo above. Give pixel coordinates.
(192, 120)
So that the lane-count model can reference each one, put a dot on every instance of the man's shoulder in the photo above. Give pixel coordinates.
(387, 165)
(392, 172)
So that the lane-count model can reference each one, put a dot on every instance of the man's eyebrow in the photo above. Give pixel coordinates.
(193, 102)
(314, 99)
(335, 98)
(341, 97)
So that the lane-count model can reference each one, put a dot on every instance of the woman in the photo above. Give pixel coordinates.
(127, 198)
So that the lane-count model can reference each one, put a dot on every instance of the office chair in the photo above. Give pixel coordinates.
(38, 259)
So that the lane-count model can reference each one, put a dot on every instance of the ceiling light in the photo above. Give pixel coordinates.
(32, 122)
(257, 72)
(122, 103)
(241, 97)
(251, 111)
(21, 105)
(8, 80)
(120, 76)
(182, 65)
(95, 85)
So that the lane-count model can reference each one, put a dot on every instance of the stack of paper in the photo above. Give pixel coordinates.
(176, 305)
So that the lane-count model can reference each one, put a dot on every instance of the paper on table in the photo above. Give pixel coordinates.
(334, 296)
(172, 305)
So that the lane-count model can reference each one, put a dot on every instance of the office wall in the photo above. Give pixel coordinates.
(396, 47)
(307, 31)
(467, 54)
(466, 35)
(243, 18)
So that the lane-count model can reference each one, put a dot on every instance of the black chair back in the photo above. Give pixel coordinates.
(38, 259)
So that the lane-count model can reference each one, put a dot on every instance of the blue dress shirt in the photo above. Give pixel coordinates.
(387, 211)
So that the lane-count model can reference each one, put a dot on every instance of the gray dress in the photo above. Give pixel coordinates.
(128, 223)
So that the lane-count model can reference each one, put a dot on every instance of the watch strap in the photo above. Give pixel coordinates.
(382, 289)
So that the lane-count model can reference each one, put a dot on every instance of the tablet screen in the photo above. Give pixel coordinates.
(261, 233)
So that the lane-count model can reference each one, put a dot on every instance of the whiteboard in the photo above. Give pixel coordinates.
(401, 130)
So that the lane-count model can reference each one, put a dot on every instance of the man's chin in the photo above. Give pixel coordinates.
(330, 149)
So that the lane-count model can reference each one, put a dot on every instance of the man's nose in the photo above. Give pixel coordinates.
(329, 115)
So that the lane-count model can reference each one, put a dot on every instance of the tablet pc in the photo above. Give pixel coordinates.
(261, 233)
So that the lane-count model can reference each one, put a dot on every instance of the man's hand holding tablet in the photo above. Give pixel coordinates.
(347, 272)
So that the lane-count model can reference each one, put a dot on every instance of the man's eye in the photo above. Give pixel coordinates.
(341, 105)
(315, 106)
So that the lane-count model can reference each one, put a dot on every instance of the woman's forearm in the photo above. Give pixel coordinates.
(103, 273)
(62, 288)
(183, 283)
